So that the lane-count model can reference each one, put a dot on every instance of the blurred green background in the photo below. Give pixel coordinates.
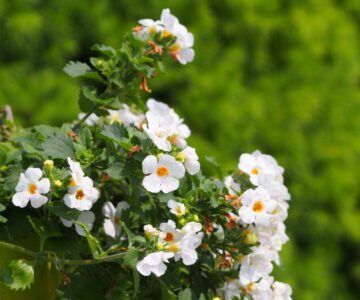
(281, 76)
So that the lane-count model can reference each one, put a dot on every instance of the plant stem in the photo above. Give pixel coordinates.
(51, 256)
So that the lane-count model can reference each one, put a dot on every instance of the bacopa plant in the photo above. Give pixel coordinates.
(117, 203)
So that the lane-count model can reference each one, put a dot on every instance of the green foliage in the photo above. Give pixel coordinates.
(18, 275)
(279, 76)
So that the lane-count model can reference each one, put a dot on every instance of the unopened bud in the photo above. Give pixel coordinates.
(159, 246)
(99, 63)
(216, 298)
(182, 221)
(196, 218)
(58, 183)
(49, 164)
(180, 157)
(250, 239)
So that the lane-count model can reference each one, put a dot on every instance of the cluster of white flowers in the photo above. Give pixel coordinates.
(173, 243)
(169, 25)
(263, 211)
(125, 116)
(165, 128)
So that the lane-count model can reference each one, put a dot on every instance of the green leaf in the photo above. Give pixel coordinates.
(185, 294)
(85, 137)
(18, 275)
(76, 69)
(114, 133)
(12, 178)
(62, 211)
(3, 157)
(212, 162)
(131, 257)
(2, 219)
(58, 146)
(94, 244)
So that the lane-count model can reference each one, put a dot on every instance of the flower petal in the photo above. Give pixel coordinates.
(33, 174)
(109, 228)
(169, 184)
(149, 164)
(177, 169)
(20, 199)
(43, 186)
(152, 183)
(108, 210)
(38, 200)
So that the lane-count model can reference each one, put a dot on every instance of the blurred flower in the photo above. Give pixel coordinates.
(154, 263)
(91, 120)
(112, 225)
(176, 208)
(162, 175)
(30, 187)
(87, 218)
(191, 159)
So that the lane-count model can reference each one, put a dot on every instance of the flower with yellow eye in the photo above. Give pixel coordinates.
(257, 206)
(112, 225)
(163, 174)
(176, 208)
(81, 194)
(30, 188)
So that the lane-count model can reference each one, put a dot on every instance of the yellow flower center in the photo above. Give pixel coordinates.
(175, 48)
(172, 138)
(166, 33)
(250, 287)
(162, 171)
(178, 211)
(174, 248)
(258, 207)
(32, 188)
(255, 171)
(152, 29)
(79, 194)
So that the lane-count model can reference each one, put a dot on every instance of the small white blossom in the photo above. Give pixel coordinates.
(163, 174)
(81, 194)
(231, 185)
(112, 225)
(154, 263)
(191, 160)
(257, 206)
(176, 208)
(30, 188)
(126, 116)
(87, 218)
(282, 291)
(257, 164)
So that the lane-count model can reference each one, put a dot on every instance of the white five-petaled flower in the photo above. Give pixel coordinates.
(81, 194)
(282, 291)
(176, 208)
(86, 217)
(257, 206)
(154, 263)
(258, 164)
(232, 186)
(112, 225)
(163, 174)
(30, 187)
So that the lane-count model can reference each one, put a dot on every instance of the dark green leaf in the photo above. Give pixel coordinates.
(114, 133)
(58, 146)
(185, 294)
(131, 258)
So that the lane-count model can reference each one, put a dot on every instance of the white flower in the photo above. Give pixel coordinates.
(255, 265)
(182, 48)
(232, 186)
(112, 225)
(154, 263)
(191, 159)
(30, 187)
(91, 120)
(257, 206)
(164, 126)
(163, 174)
(81, 194)
(257, 164)
(176, 208)
(282, 291)
(126, 116)
(275, 186)
(149, 27)
(87, 218)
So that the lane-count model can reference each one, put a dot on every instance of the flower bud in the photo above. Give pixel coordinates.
(196, 218)
(99, 63)
(216, 298)
(159, 246)
(58, 183)
(250, 239)
(48, 165)
(180, 157)
(182, 221)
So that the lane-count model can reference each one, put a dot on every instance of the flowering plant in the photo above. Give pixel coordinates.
(120, 189)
